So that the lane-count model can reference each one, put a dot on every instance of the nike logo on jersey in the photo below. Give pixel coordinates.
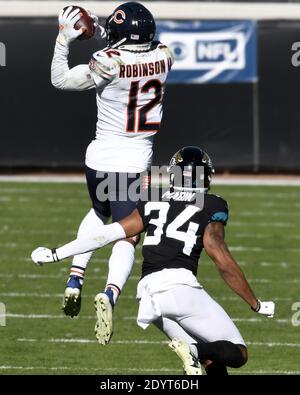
(145, 69)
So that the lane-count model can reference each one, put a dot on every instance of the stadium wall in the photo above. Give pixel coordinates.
(42, 127)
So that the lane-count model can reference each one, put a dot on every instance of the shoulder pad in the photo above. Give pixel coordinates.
(167, 51)
(218, 201)
(221, 199)
(217, 208)
(105, 63)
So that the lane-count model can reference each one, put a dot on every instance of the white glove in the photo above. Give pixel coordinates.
(43, 255)
(67, 19)
(265, 308)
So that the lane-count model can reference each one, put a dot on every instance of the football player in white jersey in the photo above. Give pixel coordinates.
(129, 76)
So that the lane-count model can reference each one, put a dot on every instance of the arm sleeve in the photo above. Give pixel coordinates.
(104, 234)
(219, 211)
(76, 79)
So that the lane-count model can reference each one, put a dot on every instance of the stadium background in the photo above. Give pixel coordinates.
(219, 117)
(246, 127)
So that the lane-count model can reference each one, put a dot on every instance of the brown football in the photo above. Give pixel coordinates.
(85, 21)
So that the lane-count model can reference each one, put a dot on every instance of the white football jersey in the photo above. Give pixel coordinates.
(129, 106)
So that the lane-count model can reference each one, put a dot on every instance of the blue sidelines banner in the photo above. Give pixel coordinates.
(211, 51)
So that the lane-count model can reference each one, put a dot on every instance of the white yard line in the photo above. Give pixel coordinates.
(248, 320)
(273, 344)
(103, 261)
(136, 278)
(284, 194)
(251, 320)
(87, 341)
(56, 276)
(256, 181)
(133, 318)
(258, 236)
(143, 342)
(145, 370)
(47, 295)
(264, 214)
(235, 372)
(59, 295)
(85, 369)
(31, 295)
(267, 180)
(42, 316)
(55, 178)
(265, 224)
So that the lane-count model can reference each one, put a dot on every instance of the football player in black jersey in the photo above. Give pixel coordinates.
(170, 296)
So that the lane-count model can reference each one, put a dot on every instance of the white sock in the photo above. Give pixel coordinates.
(102, 236)
(88, 225)
(119, 266)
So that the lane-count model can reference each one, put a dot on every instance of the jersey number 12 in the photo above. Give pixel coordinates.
(137, 118)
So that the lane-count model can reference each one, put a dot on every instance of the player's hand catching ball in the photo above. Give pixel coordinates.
(43, 255)
(67, 19)
(76, 23)
(265, 308)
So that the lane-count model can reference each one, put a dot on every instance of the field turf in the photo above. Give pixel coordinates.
(263, 233)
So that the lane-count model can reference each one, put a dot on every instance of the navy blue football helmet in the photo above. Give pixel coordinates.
(188, 159)
(130, 23)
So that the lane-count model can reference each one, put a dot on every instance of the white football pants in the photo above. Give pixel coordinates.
(190, 314)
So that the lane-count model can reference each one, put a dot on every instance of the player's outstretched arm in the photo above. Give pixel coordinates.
(77, 78)
(102, 235)
(216, 248)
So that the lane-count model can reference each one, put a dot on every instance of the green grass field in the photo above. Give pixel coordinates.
(263, 233)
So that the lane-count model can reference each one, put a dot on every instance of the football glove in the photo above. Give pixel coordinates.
(44, 255)
(67, 19)
(265, 308)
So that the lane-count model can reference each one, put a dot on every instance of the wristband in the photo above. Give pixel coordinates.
(54, 255)
(257, 308)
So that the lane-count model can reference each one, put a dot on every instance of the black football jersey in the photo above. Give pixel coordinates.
(174, 230)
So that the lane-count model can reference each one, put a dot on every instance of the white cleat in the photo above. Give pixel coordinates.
(191, 365)
(104, 324)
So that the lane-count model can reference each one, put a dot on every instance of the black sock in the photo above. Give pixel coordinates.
(216, 369)
(222, 352)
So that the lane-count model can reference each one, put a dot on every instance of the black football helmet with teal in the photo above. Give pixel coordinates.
(188, 159)
(130, 23)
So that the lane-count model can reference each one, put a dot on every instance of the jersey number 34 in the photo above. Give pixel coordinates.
(189, 237)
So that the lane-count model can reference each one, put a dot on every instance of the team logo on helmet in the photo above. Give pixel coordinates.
(119, 17)
(177, 158)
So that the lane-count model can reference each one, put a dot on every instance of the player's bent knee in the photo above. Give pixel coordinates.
(238, 359)
(134, 240)
(244, 352)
